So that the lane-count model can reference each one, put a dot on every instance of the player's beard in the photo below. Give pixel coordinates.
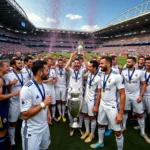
(104, 69)
(18, 68)
(130, 66)
(44, 77)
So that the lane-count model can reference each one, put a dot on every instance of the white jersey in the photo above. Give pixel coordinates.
(109, 96)
(17, 87)
(52, 74)
(27, 73)
(61, 77)
(133, 88)
(30, 97)
(147, 92)
(76, 82)
(116, 69)
(91, 90)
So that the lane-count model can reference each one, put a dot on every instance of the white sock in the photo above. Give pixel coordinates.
(53, 111)
(81, 117)
(87, 124)
(142, 125)
(101, 132)
(120, 141)
(59, 108)
(11, 132)
(63, 109)
(125, 117)
(93, 127)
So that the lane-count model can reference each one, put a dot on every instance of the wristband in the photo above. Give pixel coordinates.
(42, 105)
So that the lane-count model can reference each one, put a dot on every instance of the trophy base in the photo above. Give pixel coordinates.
(75, 125)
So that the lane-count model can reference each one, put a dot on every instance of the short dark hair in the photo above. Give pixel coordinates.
(37, 65)
(113, 57)
(94, 63)
(13, 61)
(133, 58)
(2, 63)
(141, 57)
(77, 59)
(108, 59)
(27, 58)
(147, 58)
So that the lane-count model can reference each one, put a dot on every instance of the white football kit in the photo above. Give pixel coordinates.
(146, 97)
(51, 86)
(14, 106)
(109, 108)
(60, 84)
(91, 93)
(35, 130)
(132, 89)
(27, 73)
(76, 81)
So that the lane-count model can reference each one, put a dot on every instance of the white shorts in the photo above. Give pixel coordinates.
(146, 103)
(39, 141)
(87, 107)
(14, 112)
(108, 115)
(138, 107)
(60, 93)
(53, 95)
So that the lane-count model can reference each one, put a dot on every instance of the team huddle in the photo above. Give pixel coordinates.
(35, 89)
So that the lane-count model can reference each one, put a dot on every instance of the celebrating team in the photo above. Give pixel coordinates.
(36, 89)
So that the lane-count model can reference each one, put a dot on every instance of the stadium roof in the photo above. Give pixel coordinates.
(137, 18)
(13, 16)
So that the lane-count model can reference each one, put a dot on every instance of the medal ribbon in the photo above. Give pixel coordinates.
(20, 80)
(42, 94)
(130, 77)
(105, 82)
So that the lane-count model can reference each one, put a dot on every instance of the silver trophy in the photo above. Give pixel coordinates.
(80, 47)
(74, 105)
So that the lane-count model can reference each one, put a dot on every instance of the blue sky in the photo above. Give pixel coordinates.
(75, 14)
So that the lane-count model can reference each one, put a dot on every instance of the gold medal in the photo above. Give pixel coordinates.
(60, 75)
(75, 80)
(89, 86)
(129, 82)
(104, 90)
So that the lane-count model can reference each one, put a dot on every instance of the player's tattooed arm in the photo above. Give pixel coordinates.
(119, 116)
(86, 64)
(143, 89)
(6, 96)
(36, 109)
(70, 60)
(96, 106)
